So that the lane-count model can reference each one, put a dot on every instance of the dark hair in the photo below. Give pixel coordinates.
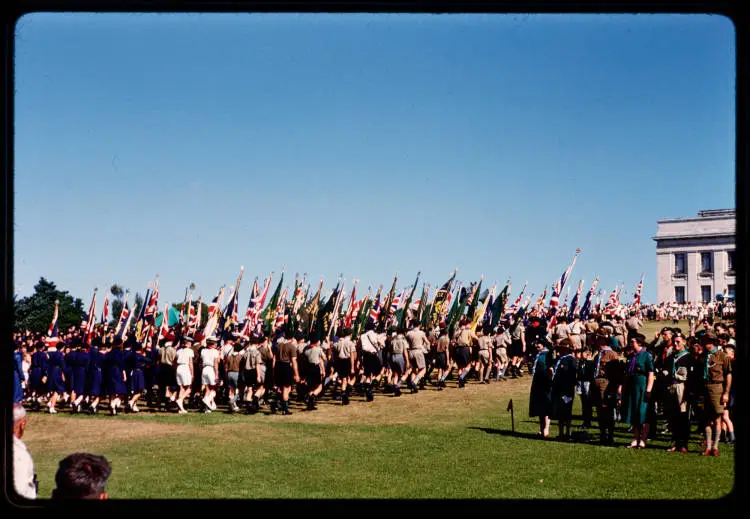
(81, 476)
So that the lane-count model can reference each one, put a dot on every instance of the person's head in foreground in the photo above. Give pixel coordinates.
(82, 476)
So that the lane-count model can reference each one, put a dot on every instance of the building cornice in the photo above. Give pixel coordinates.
(693, 236)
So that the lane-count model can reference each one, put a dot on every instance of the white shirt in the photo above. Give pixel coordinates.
(23, 470)
(208, 356)
(184, 356)
(369, 341)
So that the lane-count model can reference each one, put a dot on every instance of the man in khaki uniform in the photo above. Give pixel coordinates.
(576, 332)
(442, 358)
(345, 354)
(484, 344)
(717, 376)
(167, 377)
(502, 342)
(418, 346)
(464, 341)
(590, 338)
(633, 324)
(399, 360)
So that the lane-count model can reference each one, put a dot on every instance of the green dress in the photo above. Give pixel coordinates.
(539, 398)
(634, 400)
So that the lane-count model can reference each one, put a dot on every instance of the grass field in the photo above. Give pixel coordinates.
(449, 444)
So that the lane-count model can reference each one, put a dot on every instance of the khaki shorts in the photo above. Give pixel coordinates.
(712, 404)
(502, 355)
(417, 357)
(484, 356)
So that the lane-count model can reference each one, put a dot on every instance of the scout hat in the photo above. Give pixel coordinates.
(709, 338)
(212, 339)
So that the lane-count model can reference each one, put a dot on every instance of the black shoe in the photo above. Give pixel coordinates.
(397, 392)
(344, 399)
(461, 383)
(370, 396)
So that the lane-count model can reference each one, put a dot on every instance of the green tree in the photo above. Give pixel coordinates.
(35, 312)
(117, 292)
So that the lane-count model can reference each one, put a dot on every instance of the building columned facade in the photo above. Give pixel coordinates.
(695, 258)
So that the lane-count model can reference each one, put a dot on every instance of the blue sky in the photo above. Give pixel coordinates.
(368, 145)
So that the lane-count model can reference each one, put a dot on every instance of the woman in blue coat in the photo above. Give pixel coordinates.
(79, 364)
(18, 375)
(94, 379)
(115, 374)
(539, 399)
(136, 363)
(55, 376)
(68, 354)
(38, 375)
(563, 387)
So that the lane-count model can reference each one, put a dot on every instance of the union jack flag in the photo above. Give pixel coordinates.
(124, 321)
(213, 314)
(585, 309)
(611, 303)
(280, 316)
(516, 304)
(637, 297)
(53, 334)
(89, 326)
(252, 315)
(574, 303)
(105, 310)
(375, 310)
(152, 303)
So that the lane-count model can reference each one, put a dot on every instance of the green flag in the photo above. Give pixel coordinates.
(499, 305)
(385, 311)
(269, 312)
(436, 308)
(474, 301)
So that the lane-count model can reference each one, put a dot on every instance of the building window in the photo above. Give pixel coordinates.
(680, 264)
(730, 260)
(707, 263)
(706, 293)
(679, 294)
(730, 291)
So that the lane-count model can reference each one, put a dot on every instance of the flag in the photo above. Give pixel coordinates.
(198, 316)
(269, 313)
(105, 310)
(310, 311)
(421, 304)
(560, 284)
(574, 303)
(254, 306)
(403, 318)
(374, 313)
(182, 307)
(479, 316)
(611, 302)
(53, 333)
(637, 296)
(230, 311)
(349, 316)
(152, 304)
(498, 306)
(141, 314)
(323, 321)
(89, 328)
(126, 327)
(334, 322)
(164, 328)
(516, 304)
(440, 300)
(474, 300)
(586, 308)
(213, 314)
(124, 321)
(363, 315)
(536, 311)
(385, 311)
(279, 316)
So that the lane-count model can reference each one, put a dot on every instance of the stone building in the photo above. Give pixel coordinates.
(695, 258)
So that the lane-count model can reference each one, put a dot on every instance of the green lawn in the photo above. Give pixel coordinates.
(450, 444)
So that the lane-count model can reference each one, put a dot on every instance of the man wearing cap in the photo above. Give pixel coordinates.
(287, 371)
(344, 351)
(484, 345)
(606, 388)
(517, 347)
(418, 345)
(442, 358)
(167, 379)
(399, 359)
(464, 338)
(316, 368)
(254, 375)
(677, 368)
(717, 376)
(371, 343)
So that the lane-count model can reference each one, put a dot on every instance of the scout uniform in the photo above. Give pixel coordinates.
(485, 356)
(716, 369)
(576, 331)
(540, 403)
(676, 403)
(315, 370)
(604, 391)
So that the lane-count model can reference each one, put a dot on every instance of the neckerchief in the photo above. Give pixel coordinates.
(599, 360)
(557, 364)
(677, 357)
(538, 357)
(631, 364)
(708, 360)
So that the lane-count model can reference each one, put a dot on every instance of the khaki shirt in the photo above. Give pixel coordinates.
(167, 355)
(464, 337)
(634, 323)
(252, 358)
(485, 343)
(399, 344)
(314, 355)
(417, 340)
(344, 348)
(719, 367)
(503, 340)
(287, 351)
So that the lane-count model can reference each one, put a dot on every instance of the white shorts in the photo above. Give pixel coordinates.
(208, 376)
(184, 378)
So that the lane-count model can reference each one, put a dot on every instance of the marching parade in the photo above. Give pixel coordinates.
(290, 353)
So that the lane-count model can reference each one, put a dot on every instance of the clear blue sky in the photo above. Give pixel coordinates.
(366, 145)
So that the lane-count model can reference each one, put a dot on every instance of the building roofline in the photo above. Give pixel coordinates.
(689, 236)
(708, 214)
